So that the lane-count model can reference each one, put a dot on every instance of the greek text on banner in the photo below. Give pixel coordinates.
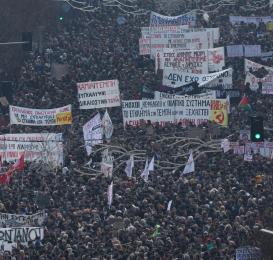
(31, 116)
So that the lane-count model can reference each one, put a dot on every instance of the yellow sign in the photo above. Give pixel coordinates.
(269, 26)
(64, 118)
(218, 112)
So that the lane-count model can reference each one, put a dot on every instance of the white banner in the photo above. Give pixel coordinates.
(162, 33)
(191, 61)
(250, 19)
(176, 111)
(107, 165)
(20, 234)
(174, 78)
(15, 220)
(157, 19)
(208, 95)
(98, 94)
(251, 65)
(266, 83)
(92, 133)
(146, 31)
(30, 116)
(46, 147)
(252, 50)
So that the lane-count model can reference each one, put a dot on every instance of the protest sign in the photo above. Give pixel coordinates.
(174, 78)
(248, 253)
(190, 41)
(92, 133)
(157, 19)
(250, 19)
(265, 83)
(219, 112)
(161, 95)
(38, 117)
(146, 31)
(176, 111)
(191, 61)
(144, 46)
(46, 147)
(98, 94)
(107, 126)
(20, 234)
(253, 66)
(16, 220)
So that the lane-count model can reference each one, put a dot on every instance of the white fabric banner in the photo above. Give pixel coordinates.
(255, 66)
(208, 95)
(21, 234)
(146, 31)
(174, 78)
(92, 133)
(98, 94)
(250, 19)
(31, 116)
(129, 166)
(191, 61)
(107, 164)
(235, 51)
(186, 41)
(266, 83)
(252, 50)
(46, 147)
(176, 111)
(144, 46)
(157, 19)
(15, 220)
(110, 194)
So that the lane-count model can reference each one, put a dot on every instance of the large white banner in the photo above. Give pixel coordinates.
(251, 65)
(161, 32)
(46, 147)
(21, 234)
(174, 78)
(146, 31)
(208, 95)
(44, 117)
(157, 19)
(16, 220)
(266, 83)
(92, 133)
(191, 61)
(176, 111)
(250, 19)
(98, 94)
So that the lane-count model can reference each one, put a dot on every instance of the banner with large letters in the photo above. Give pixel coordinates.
(191, 61)
(184, 111)
(98, 94)
(40, 117)
(162, 95)
(254, 66)
(157, 19)
(146, 31)
(174, 78)
(46, 147)
(16, 220)
(20, 234)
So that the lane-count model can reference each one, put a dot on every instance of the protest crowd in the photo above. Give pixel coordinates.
(154, 208)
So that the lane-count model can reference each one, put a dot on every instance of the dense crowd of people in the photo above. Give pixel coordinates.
(216, 209)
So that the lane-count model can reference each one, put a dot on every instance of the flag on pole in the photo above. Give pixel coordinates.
(107, 126)
(110, 194)
(244, 103)
(19, 164)
(152, 164)
(145, 172)
(129, 166)
(225, 144)
(169, 205)
(189, 167)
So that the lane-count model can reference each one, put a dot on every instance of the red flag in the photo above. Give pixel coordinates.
(5, 178)
(19, 164)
